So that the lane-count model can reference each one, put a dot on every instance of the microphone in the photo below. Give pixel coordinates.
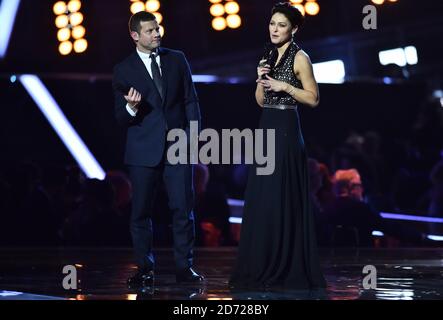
(269, 56)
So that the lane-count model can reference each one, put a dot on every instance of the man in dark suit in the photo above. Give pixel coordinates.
(154, 93)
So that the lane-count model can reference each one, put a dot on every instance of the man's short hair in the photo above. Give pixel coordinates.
(136, 19)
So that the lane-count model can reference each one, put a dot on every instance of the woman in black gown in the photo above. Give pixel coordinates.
(277, 246)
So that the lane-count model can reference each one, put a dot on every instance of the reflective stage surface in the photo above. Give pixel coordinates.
(37, 274)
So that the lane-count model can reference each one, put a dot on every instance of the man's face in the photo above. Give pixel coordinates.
(149, 36)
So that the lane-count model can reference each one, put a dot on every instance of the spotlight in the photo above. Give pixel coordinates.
(217, 10)
(225, 13)
(62, 21)
(380, 2)
(233, 21)
(59, 8)
(69, 21)
(78, 32)
(80, 45)
(152, 5)
(63, 34)
(65, 48)
(310, 7)
(219, 23)
(137, 7)
(74, 5)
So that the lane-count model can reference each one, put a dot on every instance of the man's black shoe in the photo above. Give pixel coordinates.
(141, 279)
(189, 276)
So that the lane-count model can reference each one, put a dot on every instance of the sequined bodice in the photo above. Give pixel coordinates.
(284, 71)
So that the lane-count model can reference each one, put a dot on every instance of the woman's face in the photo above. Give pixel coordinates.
(280, 29)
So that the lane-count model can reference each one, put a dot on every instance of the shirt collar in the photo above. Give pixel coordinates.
(144, 55)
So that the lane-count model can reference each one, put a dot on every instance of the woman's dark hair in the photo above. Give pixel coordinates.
(134, 22)
(291, 13)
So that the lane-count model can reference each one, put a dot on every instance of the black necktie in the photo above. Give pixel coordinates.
(156, 75)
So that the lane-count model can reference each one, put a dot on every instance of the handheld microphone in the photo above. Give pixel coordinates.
(268, 56)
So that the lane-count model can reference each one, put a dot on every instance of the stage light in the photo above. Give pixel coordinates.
(204, 78)
(65, 48)
(219, 23)
(80, 45)
(217, 10)
(411, 55)
(393, 56)
(380, 2)
(233, 21)
(74, 6)
(312, 8)
(329, 71)
(158, 17)
(215, 1)
(300, 8)
(232, 7)
(152, 5)
(62, 21)
(8, 11)
(408, 217)
(76, 19)
(63, 34)
(50, 109)
(59, 8)
(13, 78)
(388, 80)
(435, 237)
(236, 220)
(69, 20)
(162, 31)
(78, 32)
(137, 7)
(438, 95)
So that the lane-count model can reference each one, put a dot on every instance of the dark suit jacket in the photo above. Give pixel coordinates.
(146, 133)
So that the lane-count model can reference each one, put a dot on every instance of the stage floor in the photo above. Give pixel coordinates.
(37, 274)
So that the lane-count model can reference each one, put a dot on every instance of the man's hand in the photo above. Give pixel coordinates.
(133, 98)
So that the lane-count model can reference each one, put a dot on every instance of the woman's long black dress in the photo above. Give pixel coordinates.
(278, 246)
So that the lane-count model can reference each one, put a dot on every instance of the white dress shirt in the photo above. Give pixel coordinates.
(147, 62)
